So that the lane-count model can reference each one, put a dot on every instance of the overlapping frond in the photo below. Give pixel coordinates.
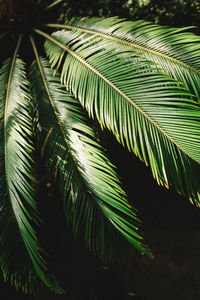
(149, 112)
(21, 256)
(175, 50)
(93, 200)
(139, 80)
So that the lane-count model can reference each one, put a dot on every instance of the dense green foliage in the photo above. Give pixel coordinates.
(174, 12)
(138, 79)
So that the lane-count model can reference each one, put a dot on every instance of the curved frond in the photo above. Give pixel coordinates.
(93, 200)
(21, 258)
(149, 112)
(175, 50)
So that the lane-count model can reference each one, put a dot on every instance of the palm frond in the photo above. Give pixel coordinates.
(93, 200)
(175, 50)
(22, 260)
(153, 115)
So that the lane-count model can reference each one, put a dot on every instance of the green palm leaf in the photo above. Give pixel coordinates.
(175, 50)
(153, 115)
(21, 256)
(93, 200)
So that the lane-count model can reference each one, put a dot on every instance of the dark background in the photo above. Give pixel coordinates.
(171, 225)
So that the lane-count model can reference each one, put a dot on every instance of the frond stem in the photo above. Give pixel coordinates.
(10, 78)
(52, 104)
(45, 141)
(7, 99)
(48, 93)
(122, 41)
(100, 75)
(39, 65)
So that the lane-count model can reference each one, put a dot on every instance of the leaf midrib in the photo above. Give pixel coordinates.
(84, 62)
(126, 43)
(47, 88)
(8, 89)
(53, 106)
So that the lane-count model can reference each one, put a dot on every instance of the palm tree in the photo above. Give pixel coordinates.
(139, 80)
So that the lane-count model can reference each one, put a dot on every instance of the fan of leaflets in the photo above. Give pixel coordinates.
(137, 79)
